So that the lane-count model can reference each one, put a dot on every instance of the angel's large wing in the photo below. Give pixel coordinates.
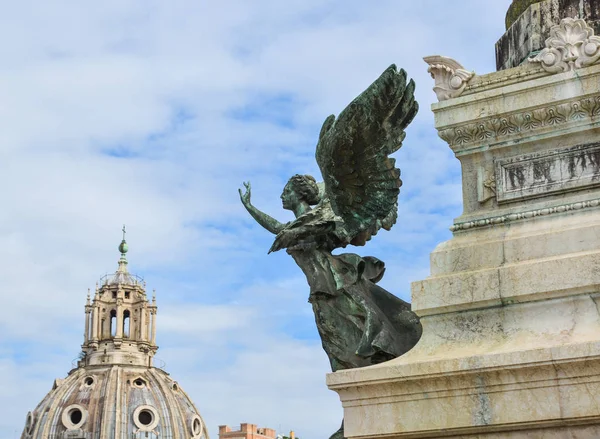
(361, 181)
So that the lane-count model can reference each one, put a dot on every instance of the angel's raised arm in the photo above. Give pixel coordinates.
(268, 222)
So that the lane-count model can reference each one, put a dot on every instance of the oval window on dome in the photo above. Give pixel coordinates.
(29, 423)
(139, 382)
(196, 425)
(88, 381)
(74, 416)
(145, 417)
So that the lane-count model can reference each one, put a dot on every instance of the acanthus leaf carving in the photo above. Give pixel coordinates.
(576, 113)
(505, 126)
(591, 106)
(571, 45)
(528, 121)
(462, 136)
(450, 76)
(483, 133)
(554, 116)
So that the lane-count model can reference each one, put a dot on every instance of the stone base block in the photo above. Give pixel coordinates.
(510, 345)
(517, 398)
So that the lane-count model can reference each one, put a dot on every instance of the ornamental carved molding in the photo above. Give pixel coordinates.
(497, 128)
(571, 45)
(504, 219)
(450, 76)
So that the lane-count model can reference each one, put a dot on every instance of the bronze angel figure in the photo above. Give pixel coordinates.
(360, 323)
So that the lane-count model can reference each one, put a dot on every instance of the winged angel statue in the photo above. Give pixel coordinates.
(360, 323)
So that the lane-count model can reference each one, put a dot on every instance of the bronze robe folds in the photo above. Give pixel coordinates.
(360, 323)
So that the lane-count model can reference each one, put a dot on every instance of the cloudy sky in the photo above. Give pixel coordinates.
(152, 113)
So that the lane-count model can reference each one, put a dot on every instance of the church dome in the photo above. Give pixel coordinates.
(115, 392)
(115, 401)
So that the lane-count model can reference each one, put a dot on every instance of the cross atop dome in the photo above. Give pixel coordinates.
(123, 247)
(122, 275)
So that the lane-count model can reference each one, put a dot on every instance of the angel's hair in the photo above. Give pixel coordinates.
(306, 187)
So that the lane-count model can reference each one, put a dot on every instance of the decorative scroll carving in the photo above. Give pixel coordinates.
(503, 219)
(529, 121)
(451, 78)
(572, 45)
(486, 185)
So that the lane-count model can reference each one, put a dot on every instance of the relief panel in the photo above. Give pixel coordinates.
(535, 175)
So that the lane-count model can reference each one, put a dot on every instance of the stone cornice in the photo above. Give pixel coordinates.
(499, 128)
(503, 78)
(507, 218)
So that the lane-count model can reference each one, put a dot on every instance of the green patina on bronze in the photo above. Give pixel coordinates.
(360, 323)
(516, 9)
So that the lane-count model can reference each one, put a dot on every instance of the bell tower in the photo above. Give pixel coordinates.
(120, 322)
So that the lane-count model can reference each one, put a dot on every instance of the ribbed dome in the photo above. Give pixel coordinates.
(116, 402)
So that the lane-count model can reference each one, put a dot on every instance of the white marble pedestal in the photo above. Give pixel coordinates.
(511, 311)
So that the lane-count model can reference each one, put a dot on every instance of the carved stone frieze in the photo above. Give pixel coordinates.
(450, 76)
(496, 128)
(572, 45)
(503, 219)
(539, 174)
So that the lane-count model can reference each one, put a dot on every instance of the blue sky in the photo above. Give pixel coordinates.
(152, 114)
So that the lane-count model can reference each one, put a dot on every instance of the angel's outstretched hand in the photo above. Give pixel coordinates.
(245, 197)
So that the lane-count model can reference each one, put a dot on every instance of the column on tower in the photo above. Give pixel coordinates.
(86, 336)
(90, 326)
(133, 325)
(88, 310)
(119, 330)
(153, 327)
(143, 328)
(153, 311)
(104, 328)
(148, 324)
(95, 311)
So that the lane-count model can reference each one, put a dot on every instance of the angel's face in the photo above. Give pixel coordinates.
(289, 197)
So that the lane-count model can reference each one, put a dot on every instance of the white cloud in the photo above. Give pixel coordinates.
(203, 321)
